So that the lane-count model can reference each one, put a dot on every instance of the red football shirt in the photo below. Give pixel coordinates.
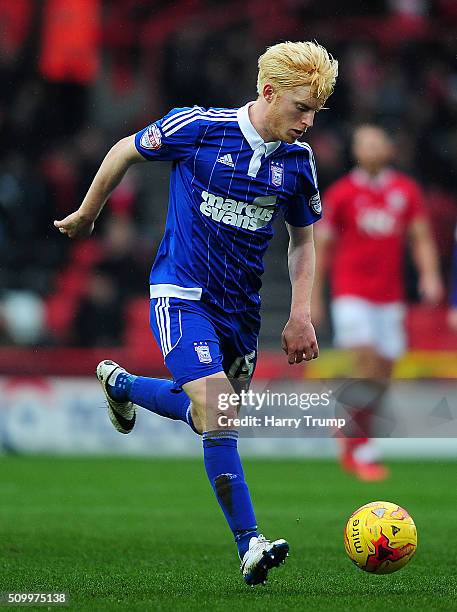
(368, 219)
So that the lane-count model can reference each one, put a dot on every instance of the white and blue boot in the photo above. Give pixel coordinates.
(122, 414)
(262, 556)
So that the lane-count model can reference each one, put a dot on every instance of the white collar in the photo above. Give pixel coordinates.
(361, 177)
(253, 137)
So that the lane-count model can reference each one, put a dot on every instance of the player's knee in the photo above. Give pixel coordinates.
(369, 364)
(201, 416)
(198, 420)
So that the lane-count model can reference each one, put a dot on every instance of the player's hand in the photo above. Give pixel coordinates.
(299, 342)
(75, 225)
(431, 289)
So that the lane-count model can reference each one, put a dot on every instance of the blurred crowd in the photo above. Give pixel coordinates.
(79, 74)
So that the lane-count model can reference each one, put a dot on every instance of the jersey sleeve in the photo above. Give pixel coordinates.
(304, 208)
(171, 138)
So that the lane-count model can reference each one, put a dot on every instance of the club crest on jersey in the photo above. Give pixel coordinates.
(315, 203)
(276, 172)
(202, 350)
(151, 138)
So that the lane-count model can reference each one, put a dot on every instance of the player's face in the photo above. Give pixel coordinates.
(372, 148)
(291, 112)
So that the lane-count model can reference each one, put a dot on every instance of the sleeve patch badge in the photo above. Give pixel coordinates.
(151, 138)
(315, 203)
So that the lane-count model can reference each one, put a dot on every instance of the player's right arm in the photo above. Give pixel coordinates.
(120, 157)
(171, 138)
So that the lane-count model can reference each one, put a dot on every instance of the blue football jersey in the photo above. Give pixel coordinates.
(227, 186)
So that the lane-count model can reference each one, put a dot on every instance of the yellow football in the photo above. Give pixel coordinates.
(380, 537)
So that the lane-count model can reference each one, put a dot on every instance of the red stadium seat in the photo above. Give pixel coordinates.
(85, 254)
(72, 282)
(60, 310)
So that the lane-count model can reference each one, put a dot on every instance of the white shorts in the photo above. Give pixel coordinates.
(359, 322)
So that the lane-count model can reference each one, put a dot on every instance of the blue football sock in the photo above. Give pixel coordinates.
(225, 473)
(119, 386)
(154, 394)
(162, 397)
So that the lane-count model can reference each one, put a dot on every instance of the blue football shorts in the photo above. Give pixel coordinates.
(198, 339)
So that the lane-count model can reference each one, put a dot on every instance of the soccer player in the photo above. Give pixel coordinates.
(370, 213)
(234, 171)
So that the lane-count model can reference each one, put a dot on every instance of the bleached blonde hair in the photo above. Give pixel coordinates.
(293, 64)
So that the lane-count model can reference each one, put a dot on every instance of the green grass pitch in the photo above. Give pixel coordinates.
(147, 534)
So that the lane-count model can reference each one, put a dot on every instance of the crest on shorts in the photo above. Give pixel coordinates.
(315, 203)
(151, 138)
(202, 350)
(276, 172)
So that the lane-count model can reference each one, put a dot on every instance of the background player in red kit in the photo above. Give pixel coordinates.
(369, 215)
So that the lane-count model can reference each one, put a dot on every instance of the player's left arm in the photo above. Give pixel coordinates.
(425, 257)
(298, 337)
